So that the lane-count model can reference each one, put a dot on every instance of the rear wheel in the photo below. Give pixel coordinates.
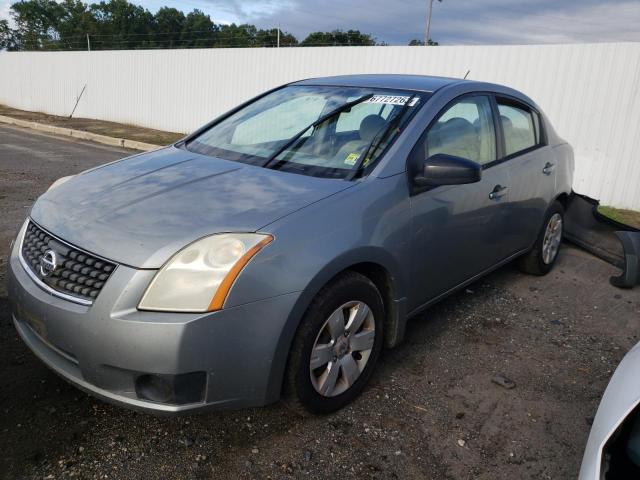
(541, 258)
(336, 346)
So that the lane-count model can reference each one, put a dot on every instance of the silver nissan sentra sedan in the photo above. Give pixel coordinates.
(274, 252)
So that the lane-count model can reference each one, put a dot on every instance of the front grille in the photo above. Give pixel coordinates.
(78, 274)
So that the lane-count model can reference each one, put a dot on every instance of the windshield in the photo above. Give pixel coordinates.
(321, 131)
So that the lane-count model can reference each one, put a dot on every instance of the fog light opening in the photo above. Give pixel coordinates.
(154, 388)
(178, 389)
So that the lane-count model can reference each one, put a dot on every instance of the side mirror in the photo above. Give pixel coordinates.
(442, 169)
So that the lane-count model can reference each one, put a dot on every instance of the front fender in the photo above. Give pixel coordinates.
(341, 263)
(369, 223)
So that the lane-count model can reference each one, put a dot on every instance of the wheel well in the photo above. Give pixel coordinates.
(394, 321)
(563, 198)
(383, 281)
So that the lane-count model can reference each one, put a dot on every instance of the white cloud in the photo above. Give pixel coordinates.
(488, 21)
(601, 22)
(220, 11)
(4, 10)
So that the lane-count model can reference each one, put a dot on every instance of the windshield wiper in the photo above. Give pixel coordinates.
(378, 138)
(322, 119)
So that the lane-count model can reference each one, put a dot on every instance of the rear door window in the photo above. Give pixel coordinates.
(521, 126)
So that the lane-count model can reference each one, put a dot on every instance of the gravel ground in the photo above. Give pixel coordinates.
(431, 411)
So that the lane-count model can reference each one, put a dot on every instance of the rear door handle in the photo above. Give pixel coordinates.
(548, 168)
(498, 192)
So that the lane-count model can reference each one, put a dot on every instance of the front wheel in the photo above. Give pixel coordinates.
(336, 346)
(541, 258)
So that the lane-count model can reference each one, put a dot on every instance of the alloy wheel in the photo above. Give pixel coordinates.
(342, 348)
(552, 239)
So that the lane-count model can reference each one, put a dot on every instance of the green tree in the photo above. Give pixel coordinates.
(249, 36)
(119, 24)
(7, 40)
(287, 39)
(198, 30)
(237, 36)
(414, 43)
(36, 23)
(76, 23)
(338, 37)
(169, 24)
(269, 38)
(122, 25)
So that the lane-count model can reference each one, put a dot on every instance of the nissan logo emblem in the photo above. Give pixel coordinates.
(48, 263)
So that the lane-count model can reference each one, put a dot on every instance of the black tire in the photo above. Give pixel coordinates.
(299, 393)
(532, 262)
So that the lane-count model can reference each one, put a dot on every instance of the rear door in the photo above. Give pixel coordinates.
(532, 170)
(457, 229)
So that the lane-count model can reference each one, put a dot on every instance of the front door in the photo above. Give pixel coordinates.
(457, 229)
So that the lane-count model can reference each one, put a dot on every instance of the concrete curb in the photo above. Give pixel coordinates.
(81, 134)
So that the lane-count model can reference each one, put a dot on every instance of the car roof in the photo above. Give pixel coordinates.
(403, 82)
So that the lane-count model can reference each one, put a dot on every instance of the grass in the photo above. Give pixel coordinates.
(627, 217)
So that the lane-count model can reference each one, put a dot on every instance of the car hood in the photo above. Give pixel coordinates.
(141, 210)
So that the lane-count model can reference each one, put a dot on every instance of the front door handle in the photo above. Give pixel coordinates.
(548, 168)
(498, 192)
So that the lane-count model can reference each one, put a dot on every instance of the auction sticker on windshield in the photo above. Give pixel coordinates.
(392, 100)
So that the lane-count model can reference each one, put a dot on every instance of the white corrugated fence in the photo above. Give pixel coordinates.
(591, 92)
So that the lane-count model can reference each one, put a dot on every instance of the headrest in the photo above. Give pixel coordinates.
(506, 122)
(370, 126)
(459, 126)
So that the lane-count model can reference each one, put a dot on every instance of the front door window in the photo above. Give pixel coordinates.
(465, 130)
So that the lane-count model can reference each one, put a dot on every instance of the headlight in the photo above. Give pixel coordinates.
(199, 277)
(59, 182)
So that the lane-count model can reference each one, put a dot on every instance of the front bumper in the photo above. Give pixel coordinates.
(103, 348)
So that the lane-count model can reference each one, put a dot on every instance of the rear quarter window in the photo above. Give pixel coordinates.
(521, 127)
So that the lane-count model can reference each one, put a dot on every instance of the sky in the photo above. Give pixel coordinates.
(454, 21)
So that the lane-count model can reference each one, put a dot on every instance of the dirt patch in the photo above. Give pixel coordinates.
(111, 129)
